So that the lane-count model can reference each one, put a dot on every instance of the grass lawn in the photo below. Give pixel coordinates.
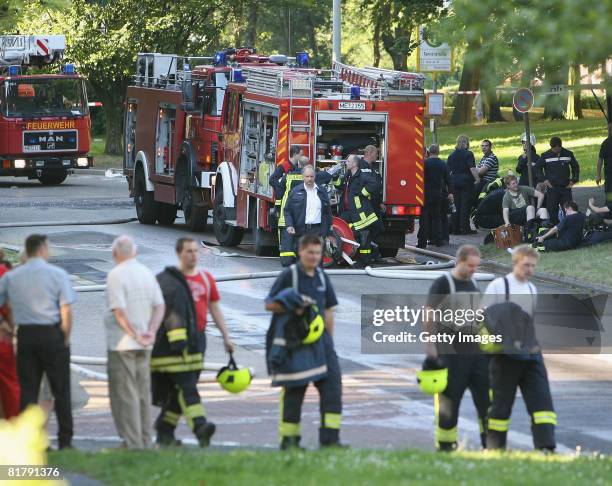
(583, 137)
(588, 264)
(10, 255)
(102, 161)
(350, 467)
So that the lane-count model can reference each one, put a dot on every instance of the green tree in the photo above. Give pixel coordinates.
(395, 24)
(104, 39)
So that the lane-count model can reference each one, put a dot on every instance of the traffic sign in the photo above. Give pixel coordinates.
(523, 100)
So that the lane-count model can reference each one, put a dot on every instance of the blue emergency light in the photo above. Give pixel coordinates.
(355, 92)
(68, 68)
(237, 76)
(14, 70)
(220, 59)
(302, 59)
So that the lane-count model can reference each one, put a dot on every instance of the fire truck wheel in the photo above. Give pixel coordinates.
(226, 235)
(388, 252)
(166, 214)
(146, 207)
(53, 177)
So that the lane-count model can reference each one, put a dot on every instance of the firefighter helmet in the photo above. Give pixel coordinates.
(315, 325)
(234, 379)
(433, 381)
(532, 138)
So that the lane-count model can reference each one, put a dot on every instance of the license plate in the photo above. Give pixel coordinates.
(50, 141)
(352, 105)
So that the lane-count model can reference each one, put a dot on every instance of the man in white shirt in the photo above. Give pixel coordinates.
(507, 372)
(136, 308)
(308, 210)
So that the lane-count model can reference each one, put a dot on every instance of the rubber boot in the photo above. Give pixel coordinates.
(329, 438)
(290, 442)
(204, 432)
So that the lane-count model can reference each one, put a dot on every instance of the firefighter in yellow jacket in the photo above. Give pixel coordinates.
(176, 362)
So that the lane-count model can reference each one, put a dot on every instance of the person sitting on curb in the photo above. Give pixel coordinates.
(569, 232)
(604, 211)
(516, 205)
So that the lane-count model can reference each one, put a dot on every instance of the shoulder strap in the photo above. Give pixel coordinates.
(507, 287)
(294, 277)
(451, 283)
(322, 278)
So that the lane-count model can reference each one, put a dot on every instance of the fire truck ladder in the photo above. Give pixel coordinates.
(300, 103)
(383, 80)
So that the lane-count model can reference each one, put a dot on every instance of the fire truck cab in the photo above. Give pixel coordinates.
(326, 113)
(171, 134)
(44, 118)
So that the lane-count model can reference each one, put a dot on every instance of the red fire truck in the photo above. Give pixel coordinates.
(172, 128)
(44, 118)
(326, 113)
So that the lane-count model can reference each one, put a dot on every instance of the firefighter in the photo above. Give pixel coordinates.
(522, 167)
(569, 232)
(370, 155)
(467, 366)
(559, 170)
(295, 152)
(358, 189)
(302, 290)
(507, 372)
(178, 353)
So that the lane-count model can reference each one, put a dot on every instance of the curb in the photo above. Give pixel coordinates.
(546, 277)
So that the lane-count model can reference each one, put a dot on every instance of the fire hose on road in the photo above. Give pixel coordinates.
(404, 272)
(67, 223)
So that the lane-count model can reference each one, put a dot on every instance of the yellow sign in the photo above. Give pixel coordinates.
(50, 125)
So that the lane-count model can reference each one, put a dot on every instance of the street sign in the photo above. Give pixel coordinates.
(435, 104)
(523, 100)
(433, 56)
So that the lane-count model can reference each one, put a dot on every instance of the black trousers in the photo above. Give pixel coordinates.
(555, 197)
(506, 374)
(365, 238)
(464, 371)
(557, 244)
(430, 221)
(444, 218)
(460, 220)
(42, 349)
(181, 398)
(330, 402)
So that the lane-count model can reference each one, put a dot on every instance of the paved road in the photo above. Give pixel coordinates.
(383, 406)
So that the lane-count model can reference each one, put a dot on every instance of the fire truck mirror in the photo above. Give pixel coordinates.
(187, 91)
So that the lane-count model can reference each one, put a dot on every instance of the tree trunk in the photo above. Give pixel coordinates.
(113, 111)
(554, 104)
(251, 32)
(493, 106)
(574, 107)
(470, 79)
(376, 41)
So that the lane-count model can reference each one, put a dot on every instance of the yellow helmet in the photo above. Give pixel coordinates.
(234, 379)
(433, 381)
(316, 326)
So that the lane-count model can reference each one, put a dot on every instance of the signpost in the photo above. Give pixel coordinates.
(523, 102)
(433, 57)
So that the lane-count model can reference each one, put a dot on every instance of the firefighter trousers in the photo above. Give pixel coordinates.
(330, 402)
(505, 375)
(287, 247)
(365, 238)
(465, 371)
(555, 197)
(182, 398)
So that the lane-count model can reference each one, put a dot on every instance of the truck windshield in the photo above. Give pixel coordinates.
(29, 97)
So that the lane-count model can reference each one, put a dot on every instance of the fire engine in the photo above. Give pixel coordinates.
(44, 118)
(209, 138)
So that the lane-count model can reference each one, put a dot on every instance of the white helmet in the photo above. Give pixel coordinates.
(532, 138)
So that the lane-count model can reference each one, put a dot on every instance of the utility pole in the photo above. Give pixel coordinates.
(337, 31)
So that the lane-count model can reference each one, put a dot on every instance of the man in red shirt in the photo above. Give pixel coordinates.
(203, 289)
(9, 383)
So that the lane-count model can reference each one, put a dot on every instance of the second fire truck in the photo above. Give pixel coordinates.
(267, 106)
(44, 118)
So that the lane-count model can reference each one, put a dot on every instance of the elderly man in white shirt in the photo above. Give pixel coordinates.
(308, 210)
(136, 308)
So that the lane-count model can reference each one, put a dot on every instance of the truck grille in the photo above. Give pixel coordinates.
(50, 141)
